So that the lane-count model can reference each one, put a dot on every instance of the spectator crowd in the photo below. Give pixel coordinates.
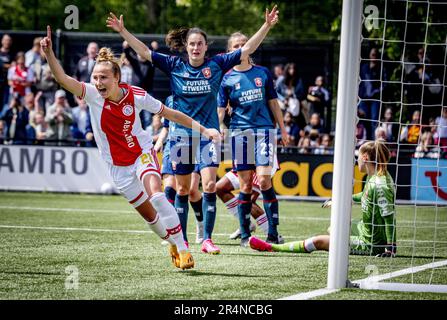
(35, 110)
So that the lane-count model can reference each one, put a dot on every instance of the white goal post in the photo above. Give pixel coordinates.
(412, 265)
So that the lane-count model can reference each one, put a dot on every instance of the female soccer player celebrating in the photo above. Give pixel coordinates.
(125, 146)
(249, 91)
(194, 85)
(376, 233)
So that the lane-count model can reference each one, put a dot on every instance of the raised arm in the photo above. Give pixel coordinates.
(271, 18)
(69, 83)
(118, 25)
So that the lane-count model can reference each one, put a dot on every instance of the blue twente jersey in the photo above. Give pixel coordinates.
(248, 93)
(195, 89)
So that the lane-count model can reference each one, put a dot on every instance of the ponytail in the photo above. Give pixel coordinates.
(177, 39)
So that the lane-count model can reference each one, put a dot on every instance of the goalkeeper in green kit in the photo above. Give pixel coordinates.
(376, 233)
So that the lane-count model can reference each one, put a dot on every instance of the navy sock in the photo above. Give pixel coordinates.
(197, 207)
(182, 208)
(209, 214)
(170, 194)
(244, 209)
(271, 210)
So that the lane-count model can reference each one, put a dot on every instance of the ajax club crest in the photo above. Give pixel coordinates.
(206, 72)
(258, 82)
(127, 110)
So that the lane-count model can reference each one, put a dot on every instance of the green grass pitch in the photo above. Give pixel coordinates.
(117, 257)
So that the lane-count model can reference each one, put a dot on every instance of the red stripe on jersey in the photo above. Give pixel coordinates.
(138, 91)
(137, 198)
(243, 201)
(117, 124)
(270, 201)
(136, 88)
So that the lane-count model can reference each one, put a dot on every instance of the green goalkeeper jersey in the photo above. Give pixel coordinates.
(378, 220)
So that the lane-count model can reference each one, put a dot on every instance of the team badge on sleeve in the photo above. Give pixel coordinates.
(206, 72)
(237, 86)
(127, 110)
(258, 82)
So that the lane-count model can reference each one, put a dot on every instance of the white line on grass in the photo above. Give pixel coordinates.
(402, 272)
(131, 211)
(367, 282)
(4, 226)
(7, 226)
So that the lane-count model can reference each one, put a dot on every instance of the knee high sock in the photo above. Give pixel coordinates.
(244, 210)
(170, 219)
(209, 214)
(271, 210)
(182, 208)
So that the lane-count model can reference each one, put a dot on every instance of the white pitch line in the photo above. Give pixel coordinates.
(130, 211)
(65, 209)
(402, 272)
(311, 294)
(5, 226)
(125, 211)
(367, 282)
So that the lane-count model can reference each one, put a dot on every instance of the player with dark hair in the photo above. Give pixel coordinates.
(194, 85)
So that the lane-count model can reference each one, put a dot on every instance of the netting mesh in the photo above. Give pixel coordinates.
(402, 100)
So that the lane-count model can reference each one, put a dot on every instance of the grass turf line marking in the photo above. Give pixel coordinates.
(5, 226)
(311, 294)
(131, 211)
(366, 281)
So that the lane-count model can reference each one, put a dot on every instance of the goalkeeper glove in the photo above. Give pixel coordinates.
(390, 251)
(327, 203)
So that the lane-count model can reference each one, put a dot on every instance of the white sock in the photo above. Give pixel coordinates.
(263, 222)
(158, 227)
(309, 245)
(170, 219)
(231, 206)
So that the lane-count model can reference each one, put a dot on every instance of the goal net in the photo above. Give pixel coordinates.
(402, 100)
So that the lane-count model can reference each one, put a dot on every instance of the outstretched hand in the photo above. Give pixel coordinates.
(271, 18)
(114, 23)
(46, 44)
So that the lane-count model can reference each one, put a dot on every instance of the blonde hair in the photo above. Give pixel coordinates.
(106, 56)
(236, 35)
(377, 152)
